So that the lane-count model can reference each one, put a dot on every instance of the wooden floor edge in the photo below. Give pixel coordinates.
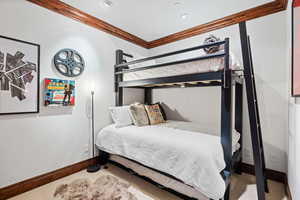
(32, 183)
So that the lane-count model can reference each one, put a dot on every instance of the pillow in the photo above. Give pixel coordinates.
(121, 116)
(139, 114)
(235, 137)
(161, 110)
(154, 114)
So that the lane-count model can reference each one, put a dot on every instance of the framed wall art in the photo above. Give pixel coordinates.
(19, 76)
(59, 92)
(296, 48)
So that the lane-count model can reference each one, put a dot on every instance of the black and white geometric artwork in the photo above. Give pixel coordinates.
(19, 76)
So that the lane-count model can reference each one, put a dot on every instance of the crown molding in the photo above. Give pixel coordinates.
(283, 3)
(76, 14)
(259, 11)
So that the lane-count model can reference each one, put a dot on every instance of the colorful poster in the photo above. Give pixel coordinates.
(59, 92)
(296, 49)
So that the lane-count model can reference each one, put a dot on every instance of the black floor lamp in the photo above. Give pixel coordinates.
(94, 167)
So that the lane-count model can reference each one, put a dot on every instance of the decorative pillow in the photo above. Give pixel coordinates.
(154, 114)
(139, 114)
(161, 110)
(121, 116)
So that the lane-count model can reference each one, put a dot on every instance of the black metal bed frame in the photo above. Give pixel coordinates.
(226, 79)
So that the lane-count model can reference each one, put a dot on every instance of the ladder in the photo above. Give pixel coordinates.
(255, 126)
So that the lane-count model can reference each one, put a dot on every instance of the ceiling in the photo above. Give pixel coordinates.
(155, 19)
(154, 23)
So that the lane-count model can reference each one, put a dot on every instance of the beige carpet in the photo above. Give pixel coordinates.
(86, 186)
(106, 187)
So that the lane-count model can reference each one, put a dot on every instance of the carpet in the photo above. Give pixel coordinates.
(105, 187)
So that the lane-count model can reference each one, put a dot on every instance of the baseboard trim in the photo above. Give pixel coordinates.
(32, 183)
(271, 174)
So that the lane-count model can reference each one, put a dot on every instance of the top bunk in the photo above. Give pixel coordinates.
(215, 69)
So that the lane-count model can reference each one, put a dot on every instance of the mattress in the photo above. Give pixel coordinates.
(200, 66)
(160, 178)
(194, 157)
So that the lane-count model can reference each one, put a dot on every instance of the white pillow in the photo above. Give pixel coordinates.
(121, 116)
(235, 137)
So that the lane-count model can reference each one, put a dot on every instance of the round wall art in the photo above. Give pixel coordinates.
(212, 49)
(69, 62)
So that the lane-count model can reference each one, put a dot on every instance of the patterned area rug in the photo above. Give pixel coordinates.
(106, 187)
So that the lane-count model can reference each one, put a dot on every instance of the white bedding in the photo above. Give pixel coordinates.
(193, 157)
(201, 66)
(204, 129)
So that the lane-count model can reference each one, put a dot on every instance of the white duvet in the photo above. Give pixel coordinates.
(176, 148)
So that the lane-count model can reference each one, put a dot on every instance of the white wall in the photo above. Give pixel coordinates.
(294, 148)
(269, 40)
(35, 144)
(294, 126)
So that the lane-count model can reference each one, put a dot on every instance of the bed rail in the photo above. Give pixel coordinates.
(170, 54)
(172, 63)
(122, 67)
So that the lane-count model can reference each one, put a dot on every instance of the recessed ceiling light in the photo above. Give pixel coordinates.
(108, 3)
(184, 16)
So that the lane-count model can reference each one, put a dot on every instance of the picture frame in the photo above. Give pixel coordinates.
(59, 92)
(295, 76)
(19, 76)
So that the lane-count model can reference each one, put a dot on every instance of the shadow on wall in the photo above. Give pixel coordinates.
(174, 113)
(275, 157)
(44, 111)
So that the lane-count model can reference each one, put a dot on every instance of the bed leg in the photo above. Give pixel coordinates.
(238, 169)
(239, 121)
(103, 157)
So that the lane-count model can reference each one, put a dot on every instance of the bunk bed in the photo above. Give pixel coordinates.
(226, 76)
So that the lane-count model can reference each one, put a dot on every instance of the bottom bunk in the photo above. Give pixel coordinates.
(189, 153)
